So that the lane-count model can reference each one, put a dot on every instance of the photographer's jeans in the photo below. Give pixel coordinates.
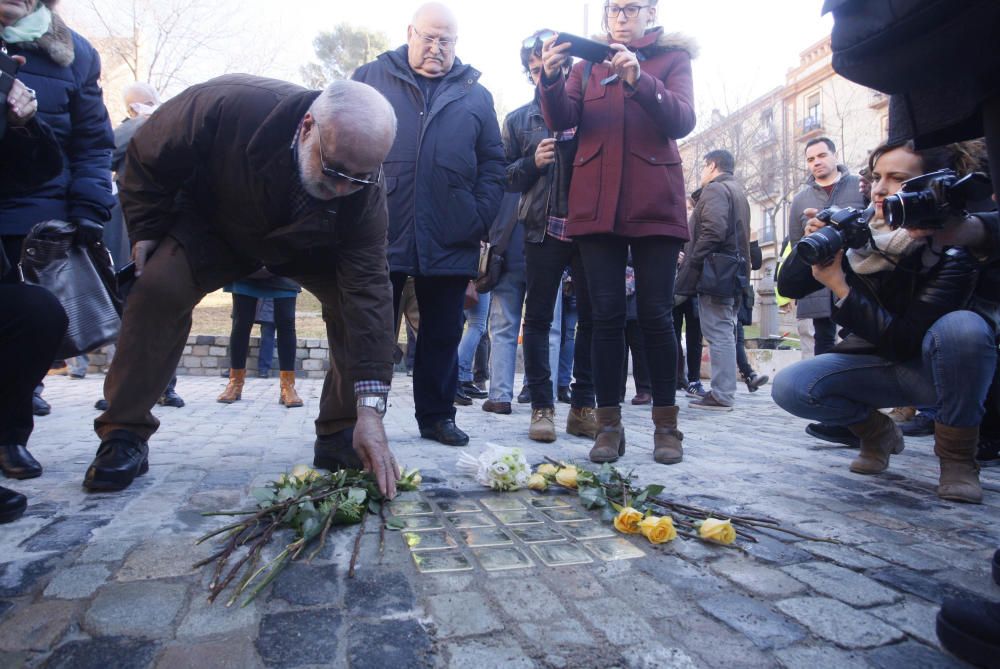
(954, 373)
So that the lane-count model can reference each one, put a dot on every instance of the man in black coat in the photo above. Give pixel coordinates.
(231, 175)
(444, 178)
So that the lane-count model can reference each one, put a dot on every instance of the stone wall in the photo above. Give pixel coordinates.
(208, 355)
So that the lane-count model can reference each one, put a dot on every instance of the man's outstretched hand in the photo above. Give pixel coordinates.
(372, 447)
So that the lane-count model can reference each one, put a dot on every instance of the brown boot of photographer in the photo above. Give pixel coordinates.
(667, 448)
(233, 391)
(956, 448)
(880, 438)
(610, 442)
(289, 397)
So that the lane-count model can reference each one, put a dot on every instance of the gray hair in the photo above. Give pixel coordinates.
(142, 92)
(358, 112)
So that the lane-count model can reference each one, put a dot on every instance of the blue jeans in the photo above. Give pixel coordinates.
(953, 373)
(475, 318)
(570, 317)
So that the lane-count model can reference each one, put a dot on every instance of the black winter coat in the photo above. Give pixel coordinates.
(545, 192)
(444, 174)
(891, 311)
(63, 69)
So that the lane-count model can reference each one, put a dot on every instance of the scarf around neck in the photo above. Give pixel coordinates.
(30, 27)
(896, 244)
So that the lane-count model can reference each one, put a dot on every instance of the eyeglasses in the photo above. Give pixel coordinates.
(443, 43)
(630, 11)
(533, 40)
(367, 180)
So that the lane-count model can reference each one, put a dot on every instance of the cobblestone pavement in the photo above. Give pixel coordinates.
(106, 580)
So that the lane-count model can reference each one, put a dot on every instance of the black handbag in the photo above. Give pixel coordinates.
(82, 278)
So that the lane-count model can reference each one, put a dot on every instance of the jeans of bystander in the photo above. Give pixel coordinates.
(687, 313)
(475, 319)
(567, 348)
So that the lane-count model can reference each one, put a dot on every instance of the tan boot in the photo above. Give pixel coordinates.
(234, 391)
(289, 397)
(956, 447)
(609, 445)
(543, 425)
(880, 438)
(667, 448)
(581, 422)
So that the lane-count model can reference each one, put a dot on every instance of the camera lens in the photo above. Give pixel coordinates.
(913, 207)
(820, 246)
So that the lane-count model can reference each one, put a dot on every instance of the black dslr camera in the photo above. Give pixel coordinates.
(928, 201)
(846, 228)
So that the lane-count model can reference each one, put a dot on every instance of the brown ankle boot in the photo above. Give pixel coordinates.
(880, 438)
(610, 442)
(956, 448)
(582, 422)
(289, 397)
(234, 391)
(667, 448)
(543, 425)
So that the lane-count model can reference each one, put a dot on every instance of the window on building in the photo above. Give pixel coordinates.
(767, 230)
(767, 123)
(812, 107)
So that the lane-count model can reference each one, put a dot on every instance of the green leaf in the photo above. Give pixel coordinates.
(608, 514)
(394, 524)
(374, 507)
(357, 495)
(617, 507)
(654, 490)
(262, 494)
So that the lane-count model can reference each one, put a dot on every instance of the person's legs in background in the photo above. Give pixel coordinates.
(570, 315)
(475, 319)
(284, 323)
(266, 356)
(506, 305)
(753, 380)
(640, 367)
(244, 310)
(481, 363)
(718, 324)
(78, 366)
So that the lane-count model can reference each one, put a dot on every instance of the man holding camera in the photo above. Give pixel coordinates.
(720, 233)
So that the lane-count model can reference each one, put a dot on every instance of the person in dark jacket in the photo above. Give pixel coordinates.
(243, 172)
(539, 166)
(627, 190)
(914, 339)
(444, 181)
(33, 321)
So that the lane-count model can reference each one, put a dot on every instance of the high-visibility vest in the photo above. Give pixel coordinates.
(779, 298)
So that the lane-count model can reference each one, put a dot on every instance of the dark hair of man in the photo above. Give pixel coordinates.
(826, 140)
(526, 52)
(963, 157)
(722, 159)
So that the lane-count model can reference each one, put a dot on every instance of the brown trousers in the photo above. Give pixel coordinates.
(154, 331)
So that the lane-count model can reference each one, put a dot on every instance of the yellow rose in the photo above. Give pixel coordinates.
(416, 479)
(304, 473)
(566, 476)
(627, 520)
(721, 531)
(537, 482)
(547, 469)
(658, 529)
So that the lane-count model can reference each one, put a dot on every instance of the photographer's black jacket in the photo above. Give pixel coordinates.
(891, 311)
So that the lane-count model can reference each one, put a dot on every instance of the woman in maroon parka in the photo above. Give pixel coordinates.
(628, 193)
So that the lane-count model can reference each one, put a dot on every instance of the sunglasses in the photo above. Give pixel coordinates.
(533, 40)
(367, 180)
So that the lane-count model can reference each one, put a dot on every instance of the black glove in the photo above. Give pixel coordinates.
(88, 232)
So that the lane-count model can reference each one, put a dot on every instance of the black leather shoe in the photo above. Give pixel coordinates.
(835, 434)
(39, 406)
(461, 399)
(564, 395)
(755, 381)
(101, 404)
(336, 451)
(170, 398)
(12, 505)
(446, 432)
(17, 463)
(121, 457)
(473, 391)
(970, 630)
(524, 397)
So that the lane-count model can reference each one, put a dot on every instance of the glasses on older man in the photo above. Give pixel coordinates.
(443, 43)
(366, 180)
(630, 11)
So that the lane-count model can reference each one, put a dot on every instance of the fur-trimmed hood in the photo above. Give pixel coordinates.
(56, 43)
(675, 41)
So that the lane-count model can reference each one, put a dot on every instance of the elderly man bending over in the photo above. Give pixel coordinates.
(243, 172)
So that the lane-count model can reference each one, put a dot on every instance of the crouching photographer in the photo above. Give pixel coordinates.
(32, 321)
(904, 287)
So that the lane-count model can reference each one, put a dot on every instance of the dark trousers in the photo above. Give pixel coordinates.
(544, 266)
(742, 362)
(687, 314)
(481, 363)
(154, 332)
(441, 301)
(655, 263)
(640, 367)
(825, 335)
(31, 329)
(244, 312)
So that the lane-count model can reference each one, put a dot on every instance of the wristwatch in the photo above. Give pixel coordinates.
(376, 402)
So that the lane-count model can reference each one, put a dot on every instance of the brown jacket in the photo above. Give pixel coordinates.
(627, 176)
(214, 169)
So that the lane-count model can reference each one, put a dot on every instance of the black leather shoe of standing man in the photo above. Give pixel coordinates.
(39, 406)
(17, 463)
(473, 391)
(835, 434)
(121, 457)
(461, 399)
(446, 432)
(170, 398)
(336, 451)
(12, 505)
